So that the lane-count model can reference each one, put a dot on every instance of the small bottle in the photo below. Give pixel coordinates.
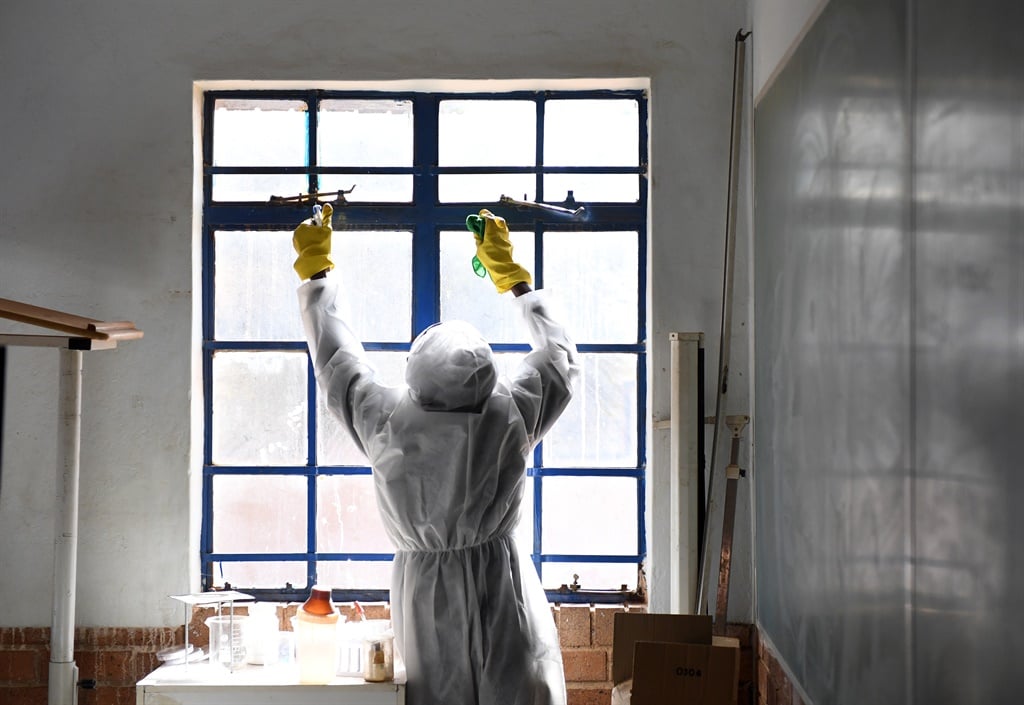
(316, 638)
(378, 659)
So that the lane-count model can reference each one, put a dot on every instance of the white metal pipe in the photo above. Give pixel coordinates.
(687, 424)
(63, 680)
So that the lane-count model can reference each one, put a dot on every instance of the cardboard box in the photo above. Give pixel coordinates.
(673, 659)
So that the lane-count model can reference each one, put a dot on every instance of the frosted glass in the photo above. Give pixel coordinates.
(598, 429)
(487, 133)
(591, 132)
(260, 574)
(259, 408)
(592, 576)
(363, 132)
(271, 508)
(369, 188)
(375, 271)
(334, 444)
(255, 286)
(257, 187)
(467, 297)
(355, 575)
(485, 190)
(347, 520)
(596, 276)
(590, 515)
(248, 132)
(592, 188)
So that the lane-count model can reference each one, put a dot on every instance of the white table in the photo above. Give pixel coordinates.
(206, 684)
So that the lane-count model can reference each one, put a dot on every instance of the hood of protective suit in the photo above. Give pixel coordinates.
(450, 368)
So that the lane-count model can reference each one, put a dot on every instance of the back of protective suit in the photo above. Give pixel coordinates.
(471, 619)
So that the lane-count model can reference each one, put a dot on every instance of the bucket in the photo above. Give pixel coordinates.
(227, 639)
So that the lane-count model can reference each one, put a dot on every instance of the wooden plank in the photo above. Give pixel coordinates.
(67, 322)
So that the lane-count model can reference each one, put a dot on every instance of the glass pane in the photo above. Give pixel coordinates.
(355, 575)
(591, 133)
(260, 574)
(467, 297)
(255, 287)
(259, 514)
(589, 515)
(257, 187)
(376, 276)
(598, 429)
(347, 520)
(592, 576)
(487, 133)
(592, 188)
(248, 132)
(334, 444)
(596, 277)
(485, 189)
(365, 133)
(259, 408)
(369, 188)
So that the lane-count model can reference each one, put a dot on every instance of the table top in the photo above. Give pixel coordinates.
(206, 675)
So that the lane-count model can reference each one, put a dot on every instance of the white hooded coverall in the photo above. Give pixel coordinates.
(448, 454)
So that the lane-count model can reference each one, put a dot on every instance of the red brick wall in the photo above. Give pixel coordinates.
(116, 658)
(773, 684)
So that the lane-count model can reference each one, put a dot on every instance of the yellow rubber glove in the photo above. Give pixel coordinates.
(494, 250)
(312, 240)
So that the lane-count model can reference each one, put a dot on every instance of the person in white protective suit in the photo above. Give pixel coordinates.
(448, 453)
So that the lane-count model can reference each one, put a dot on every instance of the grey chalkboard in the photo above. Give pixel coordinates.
(889, 355)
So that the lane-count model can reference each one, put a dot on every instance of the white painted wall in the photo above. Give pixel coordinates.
(96, 218)
(779, 25)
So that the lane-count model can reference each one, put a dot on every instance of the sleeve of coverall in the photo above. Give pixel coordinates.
(542, 386)
(339, 361)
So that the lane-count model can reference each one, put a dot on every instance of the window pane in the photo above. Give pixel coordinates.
(591, 133)
(248, 132)
(334, 444)
(347, 520)
(355, 575)
(257, 187)
(589, 515)
(259, 408)
(376, 278)
(586, 267)
(487, 133)
(369, 188)
(365, 133)
(467, 297)
(273, 507)
(484, 189)
(598, 429)
(592, 576)
(592, 188)
(260, 574)
(255, 286)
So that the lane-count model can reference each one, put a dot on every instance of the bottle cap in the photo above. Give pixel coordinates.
(319, 602)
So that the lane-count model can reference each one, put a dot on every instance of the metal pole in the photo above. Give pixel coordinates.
(739, 62)
(687, 427)
(63, 679)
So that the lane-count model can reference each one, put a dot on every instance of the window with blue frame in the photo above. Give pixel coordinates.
(287, 499)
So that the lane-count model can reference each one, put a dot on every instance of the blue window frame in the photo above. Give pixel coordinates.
(277, 478)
